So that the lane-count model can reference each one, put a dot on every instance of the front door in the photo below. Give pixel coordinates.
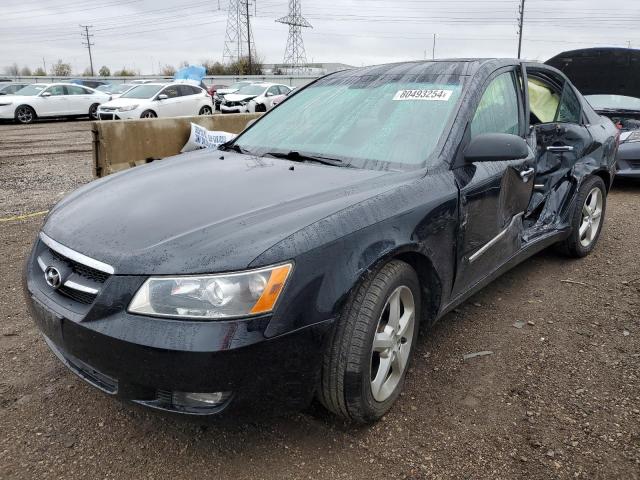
(493, 195)
(53, 104)
(170, 106)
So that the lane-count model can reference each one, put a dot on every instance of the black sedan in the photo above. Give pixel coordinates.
(609, 78)
(301, 259)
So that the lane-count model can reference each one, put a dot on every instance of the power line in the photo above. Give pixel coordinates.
(87, 42)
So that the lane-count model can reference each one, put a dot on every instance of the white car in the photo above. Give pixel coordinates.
(257, 97)
(42, 100)
(151, 100)
(221, 92)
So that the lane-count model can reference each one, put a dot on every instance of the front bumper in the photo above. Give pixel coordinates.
(235, 109)
(118, 115)
(145, 359)
(628, 160)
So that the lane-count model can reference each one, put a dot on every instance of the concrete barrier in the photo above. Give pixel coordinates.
(122, 144)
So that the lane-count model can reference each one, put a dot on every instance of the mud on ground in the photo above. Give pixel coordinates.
(558, 398)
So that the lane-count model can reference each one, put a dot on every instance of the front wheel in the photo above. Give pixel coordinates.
(148, 114)
(206, 110)
(587, 219)
(93, 112)
(25, 114)
(367, 358)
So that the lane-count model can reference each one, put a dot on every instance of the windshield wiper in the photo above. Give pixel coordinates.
(299, 157)
(233, 146)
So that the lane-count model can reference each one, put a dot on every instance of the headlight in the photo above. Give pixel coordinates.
(212, 296)
(633, 137)
(127, 108)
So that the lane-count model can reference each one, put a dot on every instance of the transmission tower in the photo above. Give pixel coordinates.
(238, 42)
(295, 57)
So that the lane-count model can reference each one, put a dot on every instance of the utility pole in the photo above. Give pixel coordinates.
(246, 4)
(520, 27)
(433, 51)
(88, 43)
(44, 65)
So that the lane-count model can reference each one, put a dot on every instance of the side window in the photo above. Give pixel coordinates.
(283, 90)
(75, 90)
(56, 90)
(172, 91)
(273, 90)
(498, 111)
(187, 90)
(569, 110)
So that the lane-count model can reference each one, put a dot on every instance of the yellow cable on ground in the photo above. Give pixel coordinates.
(22, 217)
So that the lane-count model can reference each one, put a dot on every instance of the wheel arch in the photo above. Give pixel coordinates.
(605, 176)
(26, 105)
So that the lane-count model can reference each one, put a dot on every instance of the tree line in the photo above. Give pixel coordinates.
(214, 68)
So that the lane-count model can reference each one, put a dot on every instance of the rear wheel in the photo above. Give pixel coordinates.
(206, 110)
(25, 114)
(93, 112)
(587, 219)
(367, 358)
(148, 114)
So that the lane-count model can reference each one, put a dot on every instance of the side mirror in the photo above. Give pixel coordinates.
(46, 94)
(495, 147)
(162, 96)
(268, 94)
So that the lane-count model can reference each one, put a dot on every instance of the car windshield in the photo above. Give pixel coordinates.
(31, 90)
(371, 121)
(601, 102)
(143, 91)
(238, 85)
(251, 90)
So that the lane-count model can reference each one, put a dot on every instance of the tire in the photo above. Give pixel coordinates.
(25, 114)
(93, 111)
(148, 114)
(587, 219)
(206, 110)
(351, 359)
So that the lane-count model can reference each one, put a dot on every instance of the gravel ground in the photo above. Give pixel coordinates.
(558, 398)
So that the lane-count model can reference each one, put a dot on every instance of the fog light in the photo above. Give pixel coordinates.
(199, 400)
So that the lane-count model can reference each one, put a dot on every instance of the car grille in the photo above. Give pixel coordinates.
(82, 283)
(232, 104)
(108, 116)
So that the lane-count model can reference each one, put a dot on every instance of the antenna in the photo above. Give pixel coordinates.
(295, 57)
(87, 43)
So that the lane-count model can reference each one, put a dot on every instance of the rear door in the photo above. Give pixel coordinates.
(79, 99)
(190, 99)
(493, 195)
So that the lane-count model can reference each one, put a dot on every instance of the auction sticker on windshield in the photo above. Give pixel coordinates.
(433, 95)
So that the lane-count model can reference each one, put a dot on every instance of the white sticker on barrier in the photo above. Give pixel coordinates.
(432, 95)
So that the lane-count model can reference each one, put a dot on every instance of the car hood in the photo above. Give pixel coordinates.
(226, 91)
(123, 102)
(236, 97)
(612, 71)
(197, 213)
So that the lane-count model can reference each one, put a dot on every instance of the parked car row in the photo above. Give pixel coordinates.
(25, 103)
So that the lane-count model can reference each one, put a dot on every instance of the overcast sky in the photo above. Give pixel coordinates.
(140, 34)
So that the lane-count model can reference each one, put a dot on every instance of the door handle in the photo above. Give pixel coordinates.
(526, 175)
(560, 148)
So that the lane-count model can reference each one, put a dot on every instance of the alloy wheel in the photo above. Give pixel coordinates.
(591, 217)
(392, 343)
(24, 115)
(206, 111)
